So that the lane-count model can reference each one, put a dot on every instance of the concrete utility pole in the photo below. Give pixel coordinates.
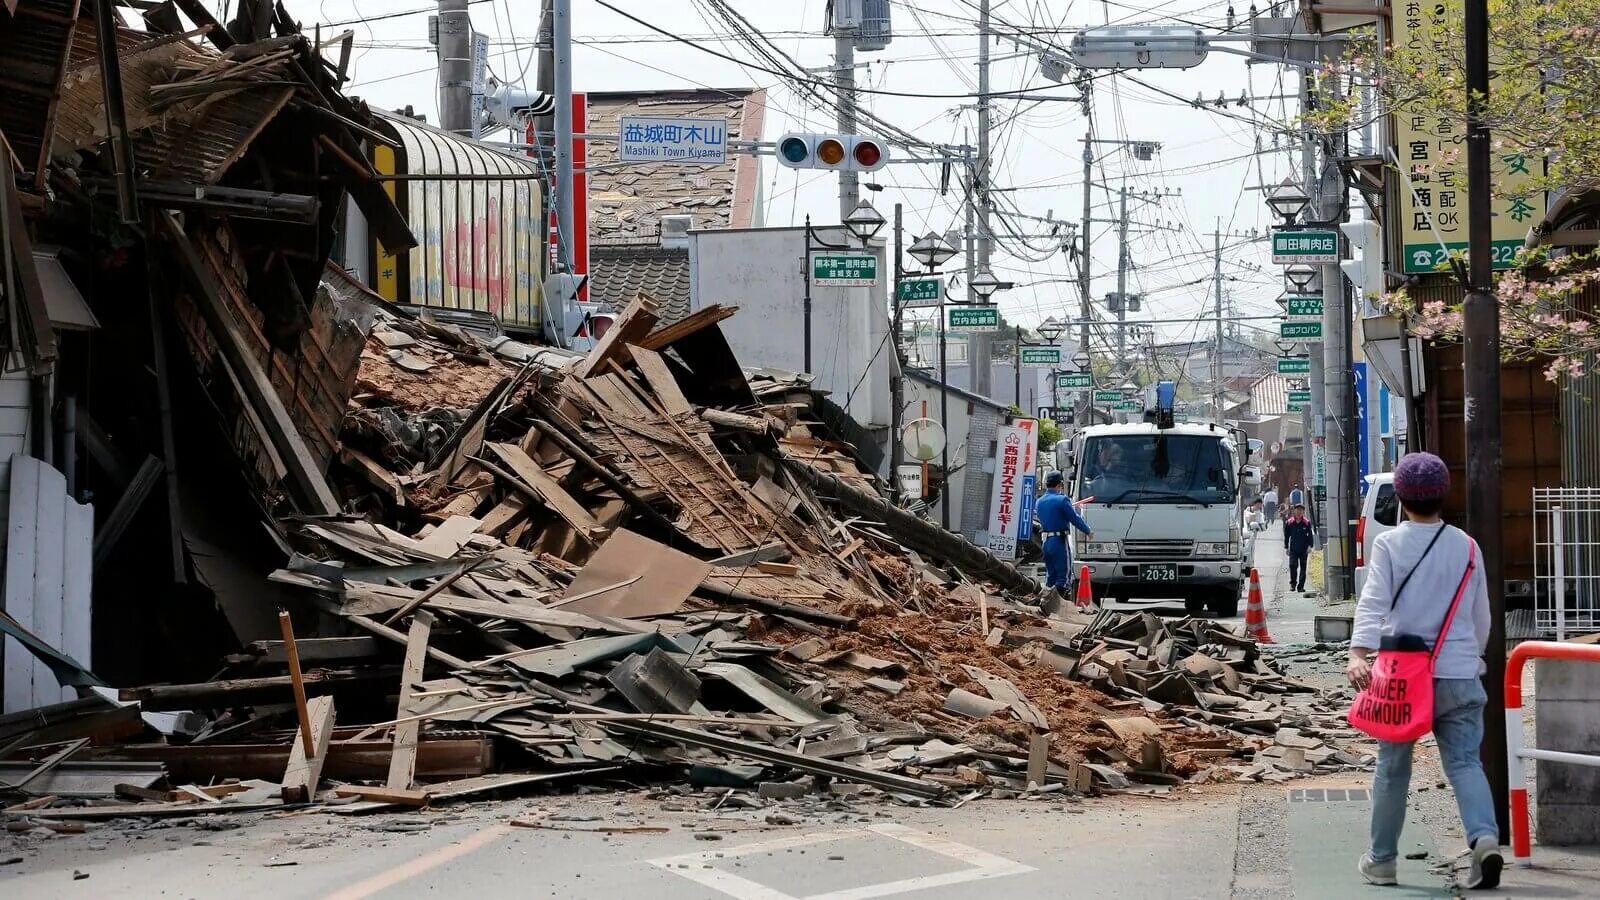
(978, 354)
(844, 77)
(545, 78)
(455, 67)
(1086, 251)
(1338, 393)
(1481, 384)
(1216, 352)
(561, 48)
(1122, 277)
(1315, 430)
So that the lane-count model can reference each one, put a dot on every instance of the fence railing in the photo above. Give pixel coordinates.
(1566, 561)
(1521, 844)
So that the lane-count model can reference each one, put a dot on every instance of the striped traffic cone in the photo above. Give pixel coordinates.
(1085, 594)
(1255, 613)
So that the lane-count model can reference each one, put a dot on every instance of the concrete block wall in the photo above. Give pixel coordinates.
(981, 430)
(1567, 712)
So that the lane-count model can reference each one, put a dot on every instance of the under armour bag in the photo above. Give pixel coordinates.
(1397, 703)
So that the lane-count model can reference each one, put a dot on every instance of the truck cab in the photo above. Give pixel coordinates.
(1167, 511)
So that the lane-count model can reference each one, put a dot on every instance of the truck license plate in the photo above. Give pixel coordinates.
(1163, 572)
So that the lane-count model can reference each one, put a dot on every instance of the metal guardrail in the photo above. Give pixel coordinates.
(1521, 845)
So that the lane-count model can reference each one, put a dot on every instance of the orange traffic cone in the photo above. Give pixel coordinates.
(1085, 595)
(1255, 613)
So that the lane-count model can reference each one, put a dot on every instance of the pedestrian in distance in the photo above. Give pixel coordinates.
(1297, 539)
(1297, 496)
(1056, 517)
(1270, 501)
(1416, 575)
(1253, 519)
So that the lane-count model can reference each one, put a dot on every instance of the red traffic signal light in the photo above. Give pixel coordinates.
(841, 152)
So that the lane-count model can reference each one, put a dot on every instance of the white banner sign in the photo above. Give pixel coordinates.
(1011, 496)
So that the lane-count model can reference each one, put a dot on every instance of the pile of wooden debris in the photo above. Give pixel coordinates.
(627, 565)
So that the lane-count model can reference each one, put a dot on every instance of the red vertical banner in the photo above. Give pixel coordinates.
(579, 239)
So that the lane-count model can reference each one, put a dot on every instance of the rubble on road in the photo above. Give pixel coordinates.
(628, 575)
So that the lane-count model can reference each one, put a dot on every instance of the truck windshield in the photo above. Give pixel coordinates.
(1156, 469)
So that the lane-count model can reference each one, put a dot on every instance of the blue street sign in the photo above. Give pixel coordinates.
(1025, 517)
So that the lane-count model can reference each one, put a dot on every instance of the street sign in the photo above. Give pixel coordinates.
(1299, 396)
(1294, 365)
(1075, 381)
(1111, 396)
(972, 318)
(1300, 331)
(1046, 413)
(660, 139)
(918, 293)
(911, 481)
(1133, 405)
(1041, 357)
(1303, 309)
(1304, 245)
(923, 439)
(844, 270)
(1294, 407)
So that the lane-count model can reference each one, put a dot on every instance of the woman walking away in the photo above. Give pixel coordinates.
(1425, 587)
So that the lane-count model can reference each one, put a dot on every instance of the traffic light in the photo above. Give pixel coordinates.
(839, 152)
(1366, 271)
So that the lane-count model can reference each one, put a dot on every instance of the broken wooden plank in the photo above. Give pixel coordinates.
(397, 796)
(449, 537)
(549, 492)
(653, 579)
(436, 589)
(403, 763)
(305, 767)
(659, 376)
(636, 322)
(250, 691)
(667, 335)
(316, 649)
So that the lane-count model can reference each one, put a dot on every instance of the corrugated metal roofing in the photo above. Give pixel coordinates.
(34, 45)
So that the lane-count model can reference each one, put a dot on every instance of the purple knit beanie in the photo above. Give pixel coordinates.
(1421, 476)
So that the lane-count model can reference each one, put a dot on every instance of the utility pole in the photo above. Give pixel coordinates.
(897, 384)
(1337, 391)
(844, 79)
(545, 78)
(1086, 252)
(561, 41)
(455, 67)
(1316, 431)
(1122, 276)
(1481, 385)
(1216, 353)
(978, 353)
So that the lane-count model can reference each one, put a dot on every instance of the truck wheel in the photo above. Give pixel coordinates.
(1226, 603)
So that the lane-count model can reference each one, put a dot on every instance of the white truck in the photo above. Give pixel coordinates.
(1165, 504)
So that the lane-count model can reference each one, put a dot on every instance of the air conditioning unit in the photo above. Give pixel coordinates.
(675, 230)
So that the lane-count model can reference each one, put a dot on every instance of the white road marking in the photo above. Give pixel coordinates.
(980, 865)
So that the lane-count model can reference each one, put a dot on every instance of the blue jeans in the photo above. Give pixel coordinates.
(1057, 563)
(1458, 705)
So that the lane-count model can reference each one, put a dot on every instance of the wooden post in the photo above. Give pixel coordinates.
(403, 762)
(297, 680)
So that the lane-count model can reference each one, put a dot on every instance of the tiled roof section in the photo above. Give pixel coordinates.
(1270, 396)
(618, 271)
(628, 201)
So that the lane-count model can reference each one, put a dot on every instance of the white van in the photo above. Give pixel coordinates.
(1380, 512)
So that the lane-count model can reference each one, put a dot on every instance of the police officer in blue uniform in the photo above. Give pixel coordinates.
(1056, 514)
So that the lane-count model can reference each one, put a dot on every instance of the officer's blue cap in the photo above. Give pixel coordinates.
(1053, 479)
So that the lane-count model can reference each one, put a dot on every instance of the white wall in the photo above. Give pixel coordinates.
(956, 429)
(763, 272)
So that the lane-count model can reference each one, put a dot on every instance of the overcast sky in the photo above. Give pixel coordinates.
(1207, 157)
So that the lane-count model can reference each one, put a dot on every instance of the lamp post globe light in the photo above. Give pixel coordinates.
(864, 222)
(1081, 360)
(1299, 277)
(1288, 200)
(932, 250)
(984, 284)
(1051, 329)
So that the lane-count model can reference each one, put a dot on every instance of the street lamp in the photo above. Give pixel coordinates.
(1300, 277)
(1081, 360)
(984, 284)
(864, 222)
(931, 250)
(1051, 329)
(1288, 201)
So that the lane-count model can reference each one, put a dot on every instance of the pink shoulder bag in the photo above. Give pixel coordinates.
(1397, 703)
